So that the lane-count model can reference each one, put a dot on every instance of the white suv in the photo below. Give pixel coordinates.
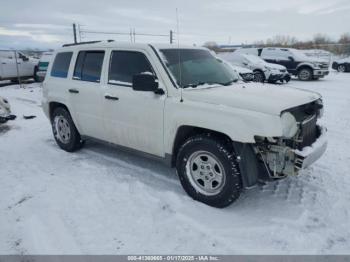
(186, 108)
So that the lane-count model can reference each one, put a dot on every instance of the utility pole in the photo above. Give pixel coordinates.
(171, 36)
(75, 33)
(79, 32)
(18, 76)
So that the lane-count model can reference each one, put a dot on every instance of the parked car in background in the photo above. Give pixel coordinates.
(43, 65)
(5, 111)
(26, 67)
(245, 74)
(342, 65)
(263, 71)
(222, 135)
(297, 63)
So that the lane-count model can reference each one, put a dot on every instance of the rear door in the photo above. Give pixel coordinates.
(85, 93)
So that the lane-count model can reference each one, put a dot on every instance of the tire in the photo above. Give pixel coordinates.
(341, 68)
(203, 149)
(287, 78)
(305, 74)
(65, 133)
(259, 77)
(36, 78)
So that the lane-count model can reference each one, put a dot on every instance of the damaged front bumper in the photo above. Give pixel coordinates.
(310, 154)
(281, 160)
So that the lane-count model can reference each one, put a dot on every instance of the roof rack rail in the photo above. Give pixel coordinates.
(81, 43)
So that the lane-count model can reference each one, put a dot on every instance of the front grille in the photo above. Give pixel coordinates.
(324, 66)
(308, 132)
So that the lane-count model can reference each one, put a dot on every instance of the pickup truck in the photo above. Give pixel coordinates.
(26, 67)
(186, 108)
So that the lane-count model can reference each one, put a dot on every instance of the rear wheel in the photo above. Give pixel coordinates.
(341, 68)
(66, 134)
(305, 74)
(208, 170)
(36, 78)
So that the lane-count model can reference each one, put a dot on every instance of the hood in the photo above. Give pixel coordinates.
(240, 69)
(276, 66)
(268, 99)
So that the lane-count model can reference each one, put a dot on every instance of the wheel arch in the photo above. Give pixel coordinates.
(302, 66)
(258, 70)
(54, 105)
(186, 131)
(248, 163)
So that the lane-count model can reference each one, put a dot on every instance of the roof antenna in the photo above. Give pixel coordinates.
(179, 55)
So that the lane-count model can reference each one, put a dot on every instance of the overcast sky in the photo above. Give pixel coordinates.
(47, 24)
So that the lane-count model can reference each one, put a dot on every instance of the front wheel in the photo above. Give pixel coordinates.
(66, 134)
(305, 74)
(341, 68)
(35, 76)
(259, 77)
(208, 170)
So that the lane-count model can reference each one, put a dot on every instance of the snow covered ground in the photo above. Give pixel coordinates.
(104, 201)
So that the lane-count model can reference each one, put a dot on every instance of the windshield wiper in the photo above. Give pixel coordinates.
(194, 85)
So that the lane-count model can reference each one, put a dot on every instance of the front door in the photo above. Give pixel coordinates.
(134, 119)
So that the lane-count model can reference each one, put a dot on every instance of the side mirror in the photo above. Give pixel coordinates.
(145, 82)
(290, 58)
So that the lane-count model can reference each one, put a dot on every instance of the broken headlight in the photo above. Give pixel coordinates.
(289, 125)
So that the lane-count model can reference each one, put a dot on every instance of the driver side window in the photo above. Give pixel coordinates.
(125, 64)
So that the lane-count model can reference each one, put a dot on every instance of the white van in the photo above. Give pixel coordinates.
(26, 67)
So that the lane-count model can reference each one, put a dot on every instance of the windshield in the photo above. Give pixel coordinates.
(299, 55)
(254, 59)
(197, 67)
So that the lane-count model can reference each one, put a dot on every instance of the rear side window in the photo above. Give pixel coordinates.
(125, 64)
(60, 66)
(88, 66)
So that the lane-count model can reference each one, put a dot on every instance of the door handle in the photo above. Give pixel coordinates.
(111, 97)
(73, 91)
(3, 63)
